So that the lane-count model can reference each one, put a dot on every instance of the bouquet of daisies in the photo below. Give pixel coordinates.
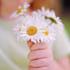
(40, 25)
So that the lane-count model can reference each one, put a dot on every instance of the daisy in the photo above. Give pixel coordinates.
(50, 16)
(49, 33)
(21, 10)
(35, 28)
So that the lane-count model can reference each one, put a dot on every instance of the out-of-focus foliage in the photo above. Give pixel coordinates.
(66, 21)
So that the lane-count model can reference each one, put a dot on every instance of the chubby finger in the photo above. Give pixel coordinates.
(30, 43)
(40, 68)
(38, 54)
(39, 63)
(39, 46)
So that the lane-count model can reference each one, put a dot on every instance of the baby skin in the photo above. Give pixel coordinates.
(41, 58)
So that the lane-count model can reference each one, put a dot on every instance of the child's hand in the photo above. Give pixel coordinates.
(40, 56)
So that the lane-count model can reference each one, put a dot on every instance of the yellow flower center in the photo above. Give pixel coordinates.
(19, 10)
(32, 30)
(46, 33)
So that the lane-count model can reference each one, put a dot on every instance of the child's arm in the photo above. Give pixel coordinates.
(41, 58)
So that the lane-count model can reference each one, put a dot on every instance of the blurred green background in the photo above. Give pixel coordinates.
(66, 21)
(65, 4)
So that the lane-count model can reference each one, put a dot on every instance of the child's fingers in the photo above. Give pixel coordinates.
(40, 58)
(39, 54)
(39, 63)
(40, 68)
(30, 43)
(39, 46)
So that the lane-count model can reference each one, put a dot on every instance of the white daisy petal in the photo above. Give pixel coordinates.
(36, 27)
